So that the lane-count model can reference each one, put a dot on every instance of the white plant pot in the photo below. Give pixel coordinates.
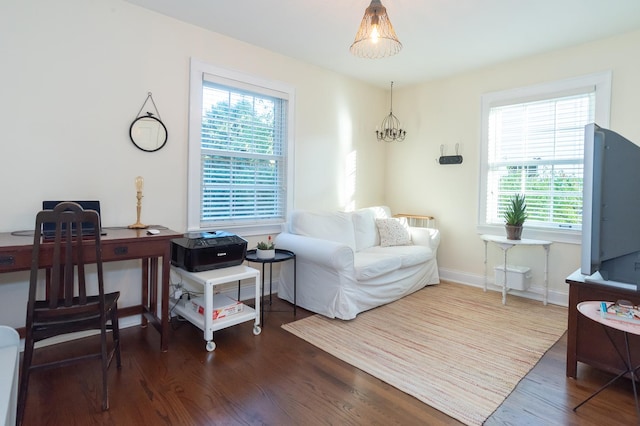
(265, 254)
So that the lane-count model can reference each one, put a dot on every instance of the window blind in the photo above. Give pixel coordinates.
(243, 146)
(536, 149)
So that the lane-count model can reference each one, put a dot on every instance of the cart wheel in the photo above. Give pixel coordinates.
(211, 346)
(256, 330)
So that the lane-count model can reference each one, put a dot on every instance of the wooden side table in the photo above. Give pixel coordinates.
(585, 337)
(281, 256)
(592, 310)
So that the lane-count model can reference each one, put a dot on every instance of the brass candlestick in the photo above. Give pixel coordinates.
(139, 186)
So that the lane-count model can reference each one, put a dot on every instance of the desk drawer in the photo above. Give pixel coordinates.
(112, 251)
(19, 259)
(15, 260)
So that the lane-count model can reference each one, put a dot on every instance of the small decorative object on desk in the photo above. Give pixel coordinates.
(139, 186)
(266, 250)
(622, 310)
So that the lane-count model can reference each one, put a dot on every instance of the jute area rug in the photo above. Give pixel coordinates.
(454, 347)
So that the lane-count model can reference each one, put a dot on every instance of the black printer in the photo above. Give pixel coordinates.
(202, 251)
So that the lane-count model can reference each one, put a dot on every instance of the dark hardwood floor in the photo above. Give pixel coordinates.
(277, 379)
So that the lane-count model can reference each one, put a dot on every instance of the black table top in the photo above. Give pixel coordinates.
(281, 256)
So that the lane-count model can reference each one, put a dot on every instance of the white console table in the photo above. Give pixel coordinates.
(505, 244)
(9, 366)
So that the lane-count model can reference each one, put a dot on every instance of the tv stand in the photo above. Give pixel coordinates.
(587, 341)
(597, 279)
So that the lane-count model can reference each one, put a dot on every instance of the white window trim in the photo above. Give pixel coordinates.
(602, 83)
(197, 71)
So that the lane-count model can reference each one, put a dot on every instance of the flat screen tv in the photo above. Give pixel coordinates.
(611, 209)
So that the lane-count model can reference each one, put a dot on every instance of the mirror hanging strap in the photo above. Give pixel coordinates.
(150, 114)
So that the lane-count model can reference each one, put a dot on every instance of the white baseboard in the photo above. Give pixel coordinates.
(535, 291)
(248, 292)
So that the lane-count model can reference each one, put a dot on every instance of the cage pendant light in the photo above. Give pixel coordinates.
(376, 37)
(390, 129)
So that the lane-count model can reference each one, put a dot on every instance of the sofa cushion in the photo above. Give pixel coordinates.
(364, 226)
(380, 212)
(372, 263)
(409, 255)
(376, 261)
(332, 226)
(392, 233)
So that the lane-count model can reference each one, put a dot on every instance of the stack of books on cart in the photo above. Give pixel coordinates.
(621, 312)
(223, 306)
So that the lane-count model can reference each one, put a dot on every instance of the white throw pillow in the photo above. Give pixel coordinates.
(366, 232)
(393, 233)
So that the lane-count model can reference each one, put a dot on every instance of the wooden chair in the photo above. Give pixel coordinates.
(66, 307)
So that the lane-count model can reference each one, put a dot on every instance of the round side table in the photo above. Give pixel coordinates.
(594, 311)
(281, 256)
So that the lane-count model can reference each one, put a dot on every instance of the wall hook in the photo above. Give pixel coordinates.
(450, 159)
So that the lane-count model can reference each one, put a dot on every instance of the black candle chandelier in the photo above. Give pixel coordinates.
(390, 130)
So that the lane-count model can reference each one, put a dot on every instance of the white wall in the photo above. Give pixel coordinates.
(74, 75)
(447, 112)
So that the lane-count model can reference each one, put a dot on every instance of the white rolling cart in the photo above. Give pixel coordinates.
(210, 279)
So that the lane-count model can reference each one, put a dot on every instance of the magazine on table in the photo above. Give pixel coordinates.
(621, 311)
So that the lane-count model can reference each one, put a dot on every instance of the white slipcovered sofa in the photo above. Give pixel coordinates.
(349, 262)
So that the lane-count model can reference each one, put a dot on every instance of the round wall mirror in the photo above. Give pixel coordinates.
(148, 133)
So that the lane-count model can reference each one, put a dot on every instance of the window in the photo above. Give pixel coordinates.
(532, 144)
(239, 152)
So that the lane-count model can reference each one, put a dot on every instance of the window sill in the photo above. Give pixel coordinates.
(246, 230)
(556, 236)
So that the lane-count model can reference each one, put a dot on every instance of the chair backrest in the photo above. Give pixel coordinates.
(72, 248)
(48, 228)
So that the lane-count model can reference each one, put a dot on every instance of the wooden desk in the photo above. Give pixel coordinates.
(118, 244)
(586, 339)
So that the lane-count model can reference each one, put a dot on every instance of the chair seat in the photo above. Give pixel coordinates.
(43, 311)
(52, 322)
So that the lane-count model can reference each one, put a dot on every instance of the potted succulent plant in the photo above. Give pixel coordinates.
(515, 215)
(266, 250)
